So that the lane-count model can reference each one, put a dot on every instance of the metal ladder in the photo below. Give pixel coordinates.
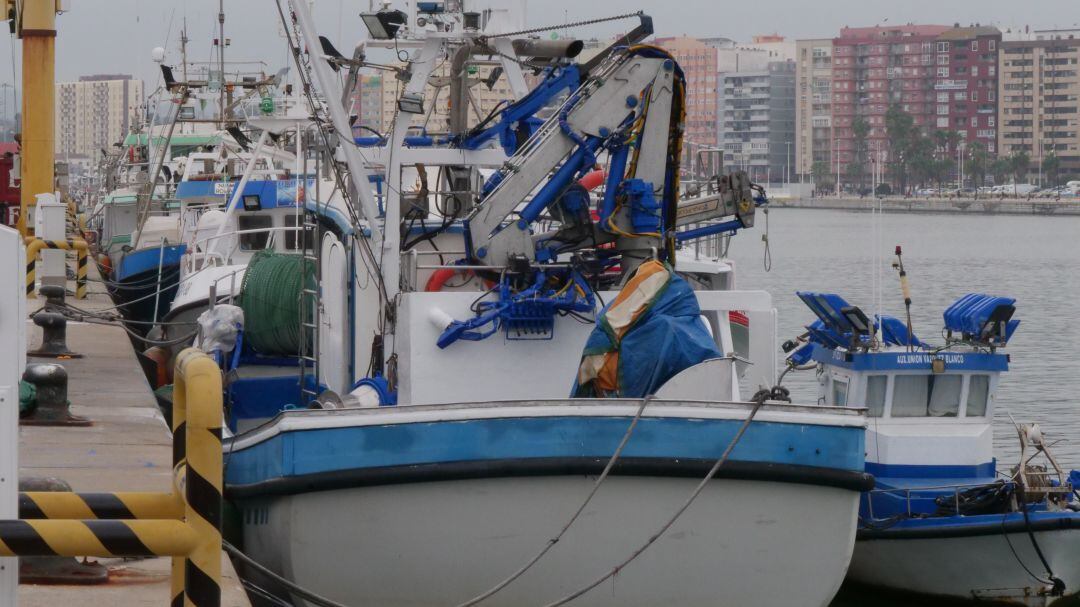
(309, 309)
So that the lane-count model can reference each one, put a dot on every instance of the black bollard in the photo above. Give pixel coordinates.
(53, 336)
(54, 297)
(54, 569)
(50, 379)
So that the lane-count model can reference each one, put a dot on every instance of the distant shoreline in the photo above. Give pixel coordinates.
(959, 206)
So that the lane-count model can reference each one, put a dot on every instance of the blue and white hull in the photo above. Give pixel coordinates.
(145, 282)
(433, 505)
(985, 557)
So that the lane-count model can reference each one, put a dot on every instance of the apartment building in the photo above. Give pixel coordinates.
(367, 104)
(757, 110)
(1039, 88)
(966, 83)
(813, 105)
(874, 67)
(698, 60)
(944, 77)
(95, 112)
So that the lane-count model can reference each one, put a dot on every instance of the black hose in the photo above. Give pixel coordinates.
(299, 591)
(1058, 585)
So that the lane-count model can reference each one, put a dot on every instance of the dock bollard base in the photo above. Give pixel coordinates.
(55, 570)
(50, 379)
(64, 420)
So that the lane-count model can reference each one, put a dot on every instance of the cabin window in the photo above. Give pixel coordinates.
(258, 240)
(945, 395)
(978, 391)
(910, 394)
(839, 392)
(291, 235)
(926, 395)
(875, 394)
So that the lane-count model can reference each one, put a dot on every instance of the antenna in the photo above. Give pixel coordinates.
(906, 290)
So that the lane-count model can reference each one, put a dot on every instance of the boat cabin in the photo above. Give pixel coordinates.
(267, 216)
(930, 409)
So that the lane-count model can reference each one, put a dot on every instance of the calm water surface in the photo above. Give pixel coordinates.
(1034, 259)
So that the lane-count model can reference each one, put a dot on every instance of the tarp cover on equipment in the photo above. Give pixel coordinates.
(644, 337)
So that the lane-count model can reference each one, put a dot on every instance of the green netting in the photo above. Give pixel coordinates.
(27, 397)
(270, 297)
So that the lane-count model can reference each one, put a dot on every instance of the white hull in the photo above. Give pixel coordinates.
(440, 543)
(982, 567)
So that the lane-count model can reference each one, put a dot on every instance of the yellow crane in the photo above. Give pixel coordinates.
(34, 22)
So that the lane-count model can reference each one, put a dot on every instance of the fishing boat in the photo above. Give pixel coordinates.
(944, 519)
(487, 386)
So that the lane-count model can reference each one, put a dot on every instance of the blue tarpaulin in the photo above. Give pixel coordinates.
(652, 331)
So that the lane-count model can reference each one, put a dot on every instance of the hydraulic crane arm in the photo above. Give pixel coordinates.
(610, 111)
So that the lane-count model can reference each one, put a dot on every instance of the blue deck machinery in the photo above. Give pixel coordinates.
(626, 111)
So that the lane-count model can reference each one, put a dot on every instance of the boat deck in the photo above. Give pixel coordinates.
(128, 448)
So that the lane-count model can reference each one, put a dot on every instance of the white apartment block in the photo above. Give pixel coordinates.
(95, 112)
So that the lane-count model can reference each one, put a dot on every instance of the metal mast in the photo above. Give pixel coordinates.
(221, 59)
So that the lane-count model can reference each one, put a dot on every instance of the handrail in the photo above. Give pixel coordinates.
(184, 524)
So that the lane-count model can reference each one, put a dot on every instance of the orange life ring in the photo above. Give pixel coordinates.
(592, 179)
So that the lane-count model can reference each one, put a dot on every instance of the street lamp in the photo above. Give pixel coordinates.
(960, 167)
(787, 165)
(837, 167)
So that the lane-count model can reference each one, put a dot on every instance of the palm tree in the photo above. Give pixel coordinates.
(822, 174)
(1020, 165)
(978, 163)
(1050, 166)
(1001, 168)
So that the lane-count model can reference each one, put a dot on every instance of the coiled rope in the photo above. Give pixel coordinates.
(270, 297)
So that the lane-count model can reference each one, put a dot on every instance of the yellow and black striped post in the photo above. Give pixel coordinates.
(34, 247)
(203, 476)
(147, 524)
(179, 428)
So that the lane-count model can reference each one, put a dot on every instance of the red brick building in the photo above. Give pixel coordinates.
(966, 82)
(944, 77)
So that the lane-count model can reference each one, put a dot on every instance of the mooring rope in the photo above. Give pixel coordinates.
(300, 591)
(759, 399)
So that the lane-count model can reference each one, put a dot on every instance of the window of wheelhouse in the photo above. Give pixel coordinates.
(926, 395)
(876, 388)
(978, 395)
(839, 392)
(291, 238)
(256, 241)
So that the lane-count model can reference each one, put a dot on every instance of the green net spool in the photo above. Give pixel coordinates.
(267, 105)
(27, 397)
(270, 297)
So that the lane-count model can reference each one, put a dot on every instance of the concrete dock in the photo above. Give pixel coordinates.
(985, 205)
(128, 448)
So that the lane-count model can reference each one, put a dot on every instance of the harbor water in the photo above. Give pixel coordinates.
(1035, 259)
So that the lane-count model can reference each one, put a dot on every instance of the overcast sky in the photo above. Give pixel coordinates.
(116, 36)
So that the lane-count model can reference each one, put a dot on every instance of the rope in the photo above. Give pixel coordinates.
(551, 543)
(1057, 584)
(303, 593)
(759, 399)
